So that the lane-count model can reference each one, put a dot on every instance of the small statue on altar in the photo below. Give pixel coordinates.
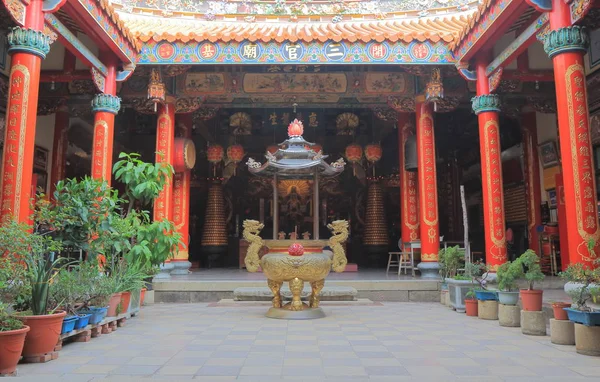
(306, 235)
(293, 236)
(281, 235)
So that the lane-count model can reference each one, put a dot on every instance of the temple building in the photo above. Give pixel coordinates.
(415, 115)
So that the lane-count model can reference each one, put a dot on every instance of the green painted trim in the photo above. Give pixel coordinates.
(569, 39)
(483, 103)
(24, 40)
(106, 102)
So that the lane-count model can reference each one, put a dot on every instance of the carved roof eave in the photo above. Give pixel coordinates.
(303, 170)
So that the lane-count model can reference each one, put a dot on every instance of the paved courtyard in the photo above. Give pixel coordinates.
(376, 342)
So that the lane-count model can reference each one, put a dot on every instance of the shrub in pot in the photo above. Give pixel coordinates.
(584, 277)
(471, 304)
(508, 274)
(531, 299)
(12, 339)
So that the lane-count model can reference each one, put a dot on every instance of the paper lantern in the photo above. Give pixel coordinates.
(354, 153)
(214, 153)
(235, 153)
(296, 249)
(272, 149)
(373, 152)
(295, 129)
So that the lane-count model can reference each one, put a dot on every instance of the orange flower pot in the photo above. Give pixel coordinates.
(531, 300)
(11, 347)
(559, 312)
(43, 334)
(471, 308)
(125, 299)
(113, 303)
(142, 296)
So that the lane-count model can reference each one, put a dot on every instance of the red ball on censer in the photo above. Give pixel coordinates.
(296, 249)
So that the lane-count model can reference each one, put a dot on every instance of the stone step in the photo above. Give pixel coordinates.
(329, 293)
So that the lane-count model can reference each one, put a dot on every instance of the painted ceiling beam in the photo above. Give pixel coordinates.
(64, 76)
(518, 46)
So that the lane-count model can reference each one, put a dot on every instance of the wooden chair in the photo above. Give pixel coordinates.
(407, 259)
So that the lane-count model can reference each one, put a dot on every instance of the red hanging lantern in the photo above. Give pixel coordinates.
(373, 152)
(354, 153)
(235, 153)
(272, 149)
(295, 129)
(214, 153)
(296, 249)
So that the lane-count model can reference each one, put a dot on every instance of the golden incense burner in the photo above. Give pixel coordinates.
(312, 266)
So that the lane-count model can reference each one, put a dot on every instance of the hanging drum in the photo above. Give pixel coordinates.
(410, 154)
(185, 155)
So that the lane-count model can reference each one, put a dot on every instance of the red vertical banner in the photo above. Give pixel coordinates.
(181, 198)
(566, 46)
(409, 198)
(165, 135)
(532, 178)
(562, 222)
(59, 147)
(103, 146)
(429, 225)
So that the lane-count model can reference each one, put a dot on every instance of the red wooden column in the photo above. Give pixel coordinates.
(409, 198)
(566, 46)
(428, 215)
(181, 195)
(562, 222)
(532, 178)
(487, 107)
(165, 135)
(59, 147)
(105, 106)
(27, 46)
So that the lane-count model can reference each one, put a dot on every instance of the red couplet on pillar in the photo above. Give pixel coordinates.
(566, 47)
(429, 227)
(165, 135)
(532, 178)
(409, 199)
(562, 222)
(181, 194)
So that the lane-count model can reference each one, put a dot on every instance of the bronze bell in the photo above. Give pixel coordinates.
(410, 154)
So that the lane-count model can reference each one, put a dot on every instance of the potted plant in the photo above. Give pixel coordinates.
(471, 303)
(558, 309)
(531, 299)
(508, 274)
(12, 339)
(478, 273)
(584, 277)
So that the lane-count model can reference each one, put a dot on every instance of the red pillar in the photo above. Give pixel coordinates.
(487, 106)
(566, 46)
(181, 200)
(106, 105)
(532, 178)
(429, 222)
(59, 147)
(409, 198)
(165, 134)
(27, 46)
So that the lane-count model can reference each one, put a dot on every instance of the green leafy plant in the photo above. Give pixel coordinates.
(530, 264)
(450, 260)
(8, 322)
(477, 272)
(508, 274)
(470, 295)
(586, 276)
(143, 181)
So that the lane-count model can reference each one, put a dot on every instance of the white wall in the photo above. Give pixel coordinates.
(44, 137)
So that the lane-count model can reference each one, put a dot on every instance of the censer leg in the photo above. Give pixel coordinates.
(275, 287)
(296, 286)
(316, 286)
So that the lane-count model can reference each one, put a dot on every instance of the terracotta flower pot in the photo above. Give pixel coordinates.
(11, 346)
(125, 300)
(471, 308)
(559, 312)
(43, 334)
(142, 296)
(531, 300)
(113, 303)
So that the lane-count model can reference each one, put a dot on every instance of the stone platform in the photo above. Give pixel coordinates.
(210, 285)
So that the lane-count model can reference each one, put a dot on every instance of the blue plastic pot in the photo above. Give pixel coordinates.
(584, 318)
(68, 324)
(486, 295)
(82, 321)
(97, 314)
